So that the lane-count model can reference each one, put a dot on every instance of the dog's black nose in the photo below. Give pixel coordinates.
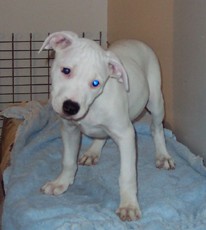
(70, 107)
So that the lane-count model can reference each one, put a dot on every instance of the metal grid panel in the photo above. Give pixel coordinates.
(24, 74)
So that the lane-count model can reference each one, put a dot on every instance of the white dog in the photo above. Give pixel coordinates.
(99, 93)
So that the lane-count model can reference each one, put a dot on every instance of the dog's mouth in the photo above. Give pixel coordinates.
(77, 117)
(70, 118)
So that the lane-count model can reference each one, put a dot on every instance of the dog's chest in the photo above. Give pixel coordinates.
(92, 129)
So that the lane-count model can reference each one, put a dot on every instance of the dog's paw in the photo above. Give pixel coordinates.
(164, 162)
(129, 213)
(88, 160)
(54, 188)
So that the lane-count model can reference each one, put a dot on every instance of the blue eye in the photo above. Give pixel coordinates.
(66, 70)
(95, 83)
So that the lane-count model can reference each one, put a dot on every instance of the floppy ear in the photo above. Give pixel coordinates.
(117, 70)
(59, 40)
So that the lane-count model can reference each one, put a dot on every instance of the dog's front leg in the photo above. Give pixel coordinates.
(92, 155)
(71, 141)
(129, 207)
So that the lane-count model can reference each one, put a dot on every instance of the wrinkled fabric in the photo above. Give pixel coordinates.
(168, 199)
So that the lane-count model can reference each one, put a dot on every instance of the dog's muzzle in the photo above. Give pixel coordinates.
(70, 107)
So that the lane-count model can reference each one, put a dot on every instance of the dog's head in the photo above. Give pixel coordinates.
(79, 73)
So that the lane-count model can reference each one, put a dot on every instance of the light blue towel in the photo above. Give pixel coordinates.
(169, 200)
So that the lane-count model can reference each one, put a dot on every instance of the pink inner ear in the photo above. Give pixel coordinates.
(119, 73)
(60, 42)
(115, 70)
(112, 68)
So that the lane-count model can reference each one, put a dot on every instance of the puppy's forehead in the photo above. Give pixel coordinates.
(82, 55)
(85, 48)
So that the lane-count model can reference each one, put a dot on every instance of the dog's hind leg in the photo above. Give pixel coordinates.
(92, 155)
(163, 159)
(156, 107)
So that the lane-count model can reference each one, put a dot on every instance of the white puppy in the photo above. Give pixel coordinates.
(99, 93)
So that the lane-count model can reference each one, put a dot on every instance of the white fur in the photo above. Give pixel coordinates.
(129, 78)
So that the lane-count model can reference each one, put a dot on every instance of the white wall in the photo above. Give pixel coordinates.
(190, 73)
(42, 16)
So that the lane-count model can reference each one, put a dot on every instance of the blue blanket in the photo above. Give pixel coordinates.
(169, 199)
